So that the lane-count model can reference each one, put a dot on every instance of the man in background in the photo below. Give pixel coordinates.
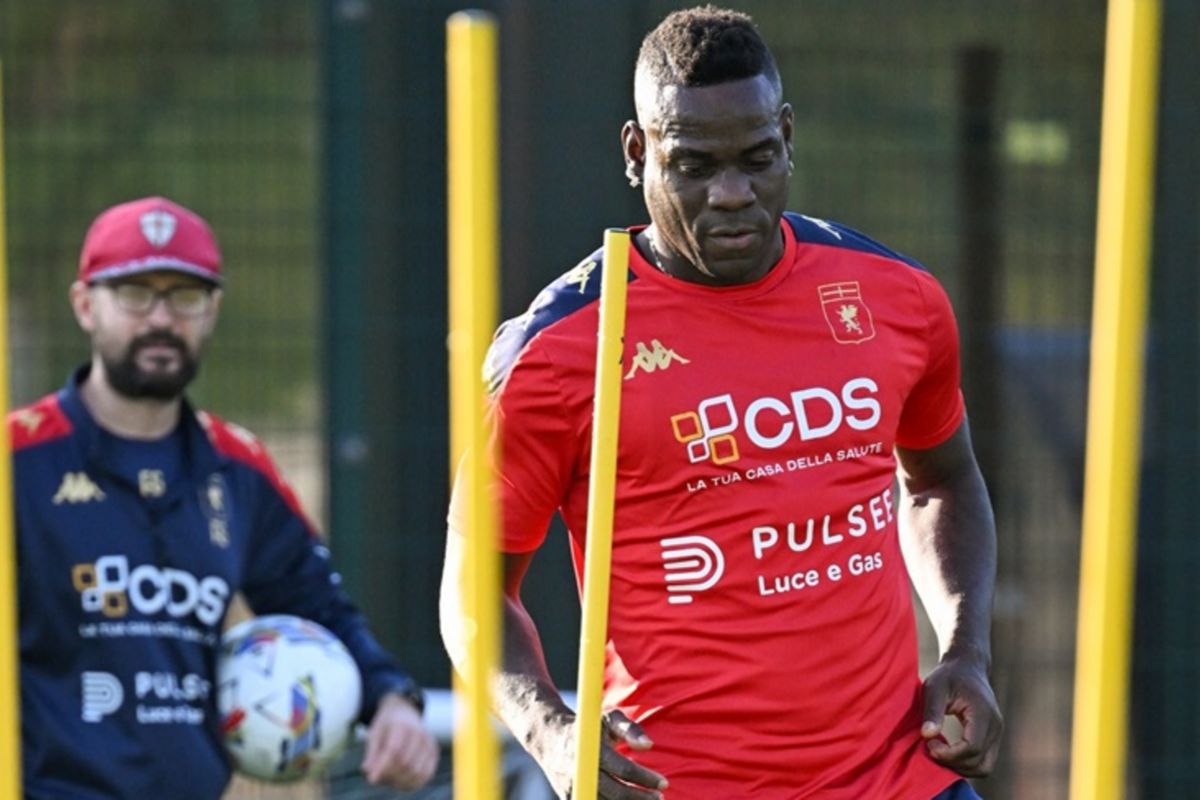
(139, 518)
(779, 371)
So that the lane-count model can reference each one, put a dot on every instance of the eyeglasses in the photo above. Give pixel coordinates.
(140, 299)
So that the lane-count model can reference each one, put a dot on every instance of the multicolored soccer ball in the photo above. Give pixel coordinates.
(288, 695)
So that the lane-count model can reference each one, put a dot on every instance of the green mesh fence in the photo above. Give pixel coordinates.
(210, 104)
(965, 134)
(213, 105)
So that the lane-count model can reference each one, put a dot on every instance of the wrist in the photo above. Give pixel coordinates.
(550, 736)
(971, 652)
(535, 713)
(407, 692)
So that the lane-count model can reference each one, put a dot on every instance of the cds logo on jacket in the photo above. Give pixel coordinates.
(110, 586)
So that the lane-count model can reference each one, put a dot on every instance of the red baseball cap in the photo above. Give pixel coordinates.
(148, 235)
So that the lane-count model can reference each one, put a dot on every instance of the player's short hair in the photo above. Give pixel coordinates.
(705, 46)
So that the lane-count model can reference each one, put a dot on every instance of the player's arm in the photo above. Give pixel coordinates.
(525, 698)
(536, 408)
(949, 539)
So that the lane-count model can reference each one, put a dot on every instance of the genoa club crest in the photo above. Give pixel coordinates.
(848, 316)
(158, 227)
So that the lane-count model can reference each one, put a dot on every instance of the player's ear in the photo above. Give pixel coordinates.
(633, 145)
(81, 304)
(787, 119)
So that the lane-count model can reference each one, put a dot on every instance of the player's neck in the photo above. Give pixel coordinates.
(677, 265)
(131, 418)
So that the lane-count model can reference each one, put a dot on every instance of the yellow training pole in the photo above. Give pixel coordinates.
(10, 700)
(10, 729)
(472, 131)
(606, 415)
(1102, 653)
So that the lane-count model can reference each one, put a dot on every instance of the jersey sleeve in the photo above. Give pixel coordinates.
(934, 408)
(535, 445)
(289, 572)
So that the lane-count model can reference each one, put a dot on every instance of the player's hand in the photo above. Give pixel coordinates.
(959, 686)
(620, 778)
(401, 752)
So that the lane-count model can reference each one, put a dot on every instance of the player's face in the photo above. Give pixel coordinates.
(715, 163)
(148, 331)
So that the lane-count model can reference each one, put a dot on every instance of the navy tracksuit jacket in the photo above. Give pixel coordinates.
(123, 589)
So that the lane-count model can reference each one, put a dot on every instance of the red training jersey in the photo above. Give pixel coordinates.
(761, 623)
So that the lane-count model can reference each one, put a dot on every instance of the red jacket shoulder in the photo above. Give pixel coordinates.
(239, 444)
(234, 441)
(38, 423)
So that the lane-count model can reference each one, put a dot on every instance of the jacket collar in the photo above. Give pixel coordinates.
(200, 455)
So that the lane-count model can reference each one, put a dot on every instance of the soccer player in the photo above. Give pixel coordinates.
(779, 370)
(138, 518)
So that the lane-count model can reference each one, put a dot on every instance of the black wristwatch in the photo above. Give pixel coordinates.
(411, 692)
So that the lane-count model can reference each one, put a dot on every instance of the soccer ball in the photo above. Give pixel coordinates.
(288, 696)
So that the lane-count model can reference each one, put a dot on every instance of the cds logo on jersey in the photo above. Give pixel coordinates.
(111, 587)
(771, 422)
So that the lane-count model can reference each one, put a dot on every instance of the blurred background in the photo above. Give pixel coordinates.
(311, 134)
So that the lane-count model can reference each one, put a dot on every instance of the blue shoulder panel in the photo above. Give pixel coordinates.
(570, 292)
(811, 230)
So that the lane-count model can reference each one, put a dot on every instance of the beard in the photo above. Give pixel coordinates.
(127, 378)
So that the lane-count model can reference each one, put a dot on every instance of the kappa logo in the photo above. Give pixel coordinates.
(77, 487)
(692, 564)
(848, 317)
(158, 227)
(29, 419)
(652, 358)
(580, 275)
(823, 225)
(102, 695)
